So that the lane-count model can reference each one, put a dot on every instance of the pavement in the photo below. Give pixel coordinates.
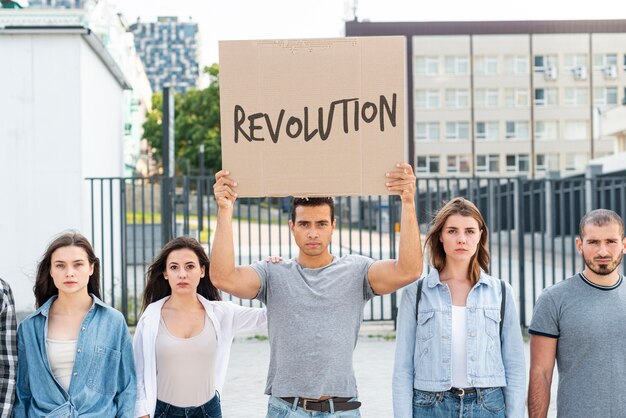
(243, 397)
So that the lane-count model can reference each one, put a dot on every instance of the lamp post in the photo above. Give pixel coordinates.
(201, 189)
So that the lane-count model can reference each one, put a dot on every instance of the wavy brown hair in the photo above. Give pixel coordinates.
(463, 207)
(44, 287)
(157, 287)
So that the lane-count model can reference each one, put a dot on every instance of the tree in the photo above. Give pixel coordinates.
(196, 123)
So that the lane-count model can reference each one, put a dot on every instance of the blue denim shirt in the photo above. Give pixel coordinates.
(423, 352)
(103, 381)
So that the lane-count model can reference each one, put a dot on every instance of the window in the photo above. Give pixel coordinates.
(457, 98)
(576, 129)
(427, 131)
(489, 163)
(486, 97)
(607, 64)
(516, 97)
(575, 161)
(487, 131)
(602, 61)
(456, 65)
(427, 99)
(516, 130)
(546, 130)
(545, 97)
(576, 96)
(457, 131)
(516, 65)
(544, 62)
(573, 61)
(603, 96)
(458, 164)
(517, 163)
(547, 162)
(486, 65)
(426, 65)
(577, 64)
(427, 164)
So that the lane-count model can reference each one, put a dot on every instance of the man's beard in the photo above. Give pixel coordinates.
(604, 270)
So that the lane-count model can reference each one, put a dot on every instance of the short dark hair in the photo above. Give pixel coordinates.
(312, 201)
(600, 217)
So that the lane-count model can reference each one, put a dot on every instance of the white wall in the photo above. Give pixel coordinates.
(102, 155)
(51, 137)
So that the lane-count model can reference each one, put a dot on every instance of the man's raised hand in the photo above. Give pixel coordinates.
(402, 180)
(223, 189)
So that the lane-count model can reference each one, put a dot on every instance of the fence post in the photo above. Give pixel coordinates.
(167, 149)
(124, 249)
(591, 173)
(519, 221)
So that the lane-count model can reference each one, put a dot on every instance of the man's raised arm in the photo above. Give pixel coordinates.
(242, 281)
(386, 276)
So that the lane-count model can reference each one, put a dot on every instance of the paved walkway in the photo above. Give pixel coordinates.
(373, 362)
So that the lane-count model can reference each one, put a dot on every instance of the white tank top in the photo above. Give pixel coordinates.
(61, 355)
(459, 347)
(186, 366)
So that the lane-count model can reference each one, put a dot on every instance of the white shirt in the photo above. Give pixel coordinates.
(459, 347)
(228, 319)
(61, 355)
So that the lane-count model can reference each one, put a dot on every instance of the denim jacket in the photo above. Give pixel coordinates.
(103, 381)
(423, 350)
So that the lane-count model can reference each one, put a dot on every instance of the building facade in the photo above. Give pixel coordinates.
(60, 4)
(169, 50)
(509, 98)
(61, 121)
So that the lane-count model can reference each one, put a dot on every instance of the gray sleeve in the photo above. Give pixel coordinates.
(261, 268)
(368, 292)
(545, 320)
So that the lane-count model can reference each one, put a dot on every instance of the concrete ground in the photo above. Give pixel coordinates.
(373, 362)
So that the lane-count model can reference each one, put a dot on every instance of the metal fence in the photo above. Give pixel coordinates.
(129, 222)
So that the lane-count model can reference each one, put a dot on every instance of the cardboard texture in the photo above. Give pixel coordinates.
(312, 117)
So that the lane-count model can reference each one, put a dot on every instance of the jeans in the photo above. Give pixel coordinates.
(484, 403)
(211, 409)
(277, 408)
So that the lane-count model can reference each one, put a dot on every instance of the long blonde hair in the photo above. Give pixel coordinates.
(463, 207)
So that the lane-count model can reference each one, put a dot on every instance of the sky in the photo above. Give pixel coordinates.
(269, 19)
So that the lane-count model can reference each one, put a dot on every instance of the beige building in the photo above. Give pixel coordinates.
(509, 98)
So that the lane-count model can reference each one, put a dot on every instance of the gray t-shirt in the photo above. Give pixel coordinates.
(313, 318)
(590, 324)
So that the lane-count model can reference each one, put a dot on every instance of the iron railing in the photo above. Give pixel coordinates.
(128, 228)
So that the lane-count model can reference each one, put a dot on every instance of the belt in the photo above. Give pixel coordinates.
(339, 404)
(461, 392)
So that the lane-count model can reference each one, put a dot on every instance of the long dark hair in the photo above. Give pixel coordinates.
(44, 284)
(156, 285)
(463, 207)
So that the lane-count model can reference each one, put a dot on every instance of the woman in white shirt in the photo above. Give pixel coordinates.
(183, 338)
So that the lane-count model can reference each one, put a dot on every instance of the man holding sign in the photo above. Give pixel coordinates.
(315, 301)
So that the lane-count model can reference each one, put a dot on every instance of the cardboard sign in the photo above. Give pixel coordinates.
(312, 117)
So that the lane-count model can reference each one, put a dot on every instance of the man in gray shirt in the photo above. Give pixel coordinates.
(581, 323)
(315, 301)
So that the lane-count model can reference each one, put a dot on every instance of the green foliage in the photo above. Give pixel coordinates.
(197, 122)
